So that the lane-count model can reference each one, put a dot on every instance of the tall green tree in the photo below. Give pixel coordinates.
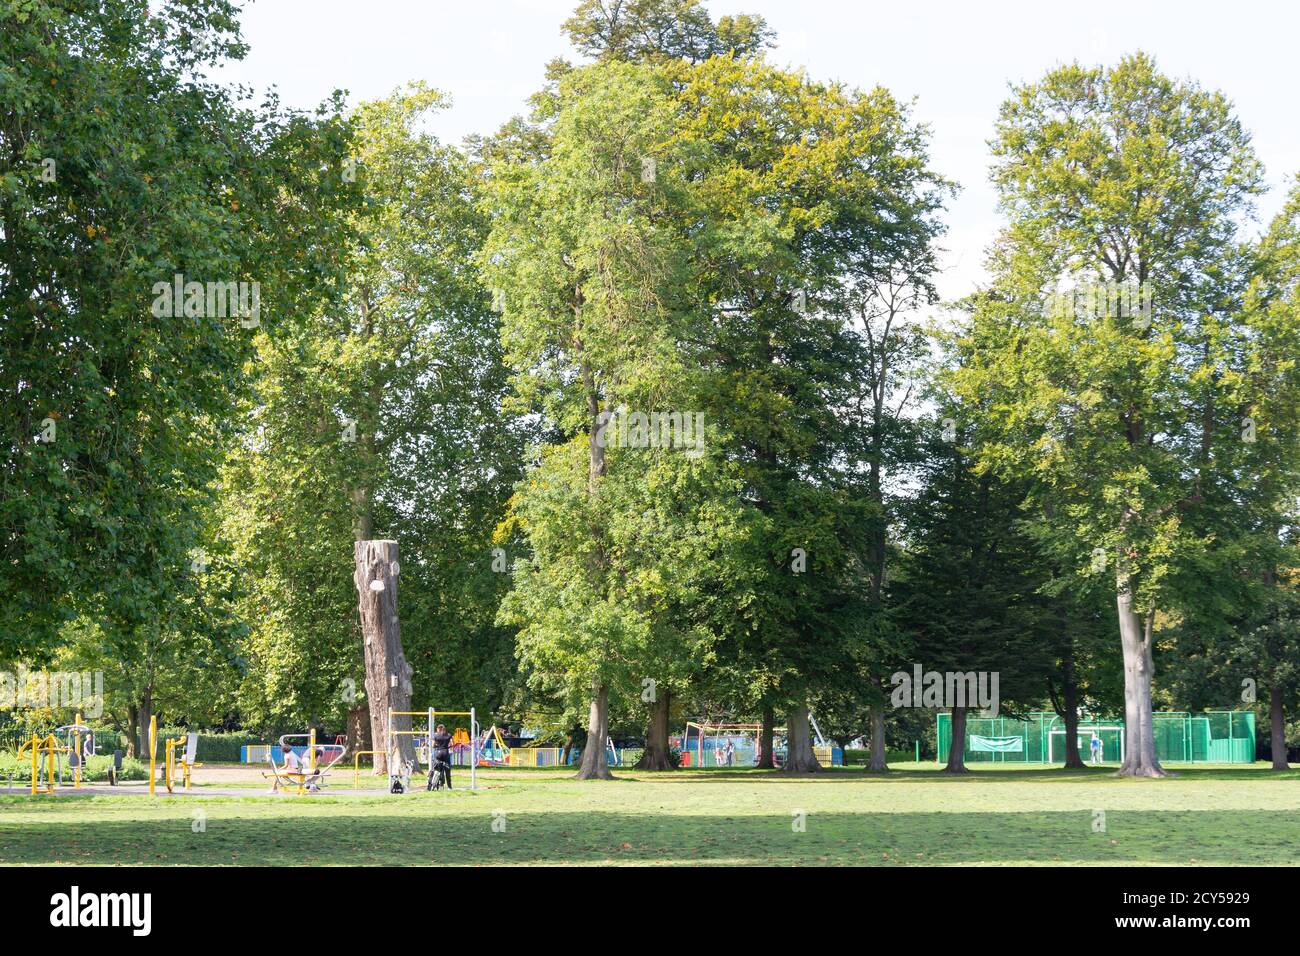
(1115, 179)
(641, 30)
(591, 276)
(970, 584)
(380, 416)
(120, 170)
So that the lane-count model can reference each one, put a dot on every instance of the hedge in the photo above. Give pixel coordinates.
(96, 771)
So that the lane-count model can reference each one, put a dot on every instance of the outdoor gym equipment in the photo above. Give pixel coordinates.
(78, 744)
(431, 716)
(302, 781)
(38, 748)
(186, 761)
(46, 753)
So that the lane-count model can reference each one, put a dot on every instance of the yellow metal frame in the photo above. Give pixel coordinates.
(356, 765)
(49, 746)
(302, 776)
(432, 715)
(153, 752)
(171, 764)
(35, 748)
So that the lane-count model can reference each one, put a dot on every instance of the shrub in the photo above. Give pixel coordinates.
(96, 770)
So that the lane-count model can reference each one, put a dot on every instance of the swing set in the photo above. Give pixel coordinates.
(703, 736)
(719, 734)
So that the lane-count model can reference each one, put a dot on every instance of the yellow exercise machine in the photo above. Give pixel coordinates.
(47, 752)
(184, 762)
(303, 781)
(38, 748)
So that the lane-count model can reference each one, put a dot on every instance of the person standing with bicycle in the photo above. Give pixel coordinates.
(440, 743)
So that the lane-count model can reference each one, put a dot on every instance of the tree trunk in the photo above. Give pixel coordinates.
(799, 756)
(1139, 725)
(388, 675)
(132, 730)
(359, 730)
(655, 755)
(568, 746)
(879, 761)
(1071, 717)
(1070, 709)
(957, 746)
(1277, 735)
(765, 735)
(143, 713)
(363, 525)
(594, 766)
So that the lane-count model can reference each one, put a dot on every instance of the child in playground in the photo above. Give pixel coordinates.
(441, 748)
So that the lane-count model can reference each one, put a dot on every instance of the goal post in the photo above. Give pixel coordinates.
(1112, 743)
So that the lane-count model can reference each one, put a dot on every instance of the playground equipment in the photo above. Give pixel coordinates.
(703, 738)
(312, 778)
(1224, 736)
(186, 762)
(431, 716)
(714, 736)
(492, 749)
(47, 753)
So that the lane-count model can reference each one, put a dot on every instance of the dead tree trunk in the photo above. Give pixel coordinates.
(388, 675)
(1139, 724)
(799, 756)
(594, 766)
(359, 730)
(879, 760)
(655, 755)
(1277, 732)
(957, 746)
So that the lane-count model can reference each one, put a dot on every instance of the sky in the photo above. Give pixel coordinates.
(953, 59)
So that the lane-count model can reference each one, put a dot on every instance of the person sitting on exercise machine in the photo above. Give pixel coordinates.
(292, 765)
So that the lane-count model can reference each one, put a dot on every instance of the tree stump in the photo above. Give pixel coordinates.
(388, 675)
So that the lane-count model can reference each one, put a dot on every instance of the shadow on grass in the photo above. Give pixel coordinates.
(977, 774)
(885, 839)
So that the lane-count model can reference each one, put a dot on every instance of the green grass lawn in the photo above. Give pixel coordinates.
(913, 815)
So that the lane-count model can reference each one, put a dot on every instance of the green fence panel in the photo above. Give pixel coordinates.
(1180, 737)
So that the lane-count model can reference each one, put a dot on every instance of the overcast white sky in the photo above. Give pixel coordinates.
(955, 58)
